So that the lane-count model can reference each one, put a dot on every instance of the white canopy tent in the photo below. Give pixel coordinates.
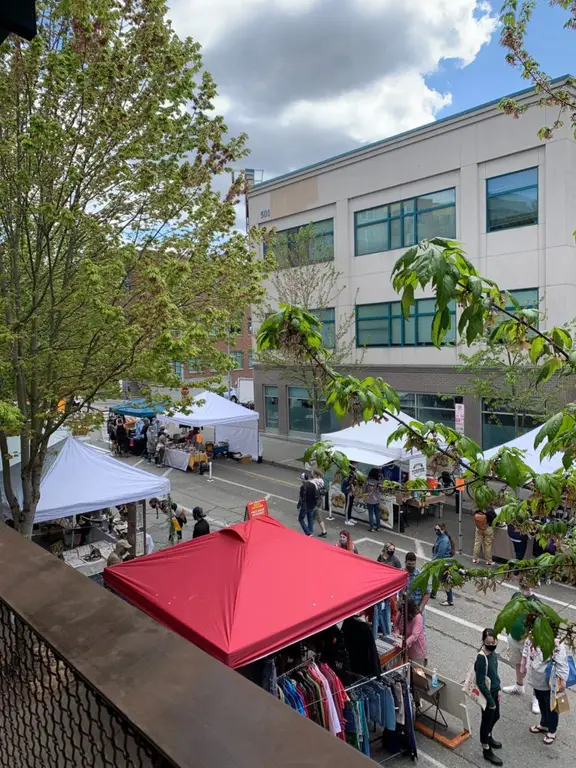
(232, 422)
(532, 455)
(80, 478)
(368, 442)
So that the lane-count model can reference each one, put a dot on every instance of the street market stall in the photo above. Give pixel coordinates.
(367, 444)
(233, 424)
(80, 480)
(502, 547)
(266, 600)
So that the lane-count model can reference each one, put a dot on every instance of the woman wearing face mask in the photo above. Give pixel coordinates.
(345, 542)
(444, 547)
(388, 556)
(488, 682)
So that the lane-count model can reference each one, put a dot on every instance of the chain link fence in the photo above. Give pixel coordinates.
(51, 717)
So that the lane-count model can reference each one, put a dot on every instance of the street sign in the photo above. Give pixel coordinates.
(256, 509)
(459, 421)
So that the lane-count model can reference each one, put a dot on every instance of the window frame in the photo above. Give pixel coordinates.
(415, 315)
(293, 231)
(490, 196)
(234, 353)
(324, 322)
(414, 213)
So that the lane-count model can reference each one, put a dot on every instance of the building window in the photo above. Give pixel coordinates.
(512, 200)
(193, 366)
(300, 410)
(501, 424)
(249, 325)
(178, 369)
(527, 298)
(250, 359)
(400, 225)
(238, 358)
(271, 407)
(294, 248)
(327, 317)
(425, 407)
(384, 325)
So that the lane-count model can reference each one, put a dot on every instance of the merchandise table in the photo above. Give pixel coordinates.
(182, 460)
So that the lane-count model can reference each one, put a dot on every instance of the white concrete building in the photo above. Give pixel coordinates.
(480, 176)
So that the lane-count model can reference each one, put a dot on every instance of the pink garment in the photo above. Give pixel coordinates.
(415, 637)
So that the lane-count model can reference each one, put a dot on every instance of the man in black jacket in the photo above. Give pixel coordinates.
(201, 528)
(307, 503)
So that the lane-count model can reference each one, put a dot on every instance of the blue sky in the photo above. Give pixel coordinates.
(489, 77)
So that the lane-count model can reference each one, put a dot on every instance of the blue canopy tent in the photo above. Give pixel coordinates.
(138, 408)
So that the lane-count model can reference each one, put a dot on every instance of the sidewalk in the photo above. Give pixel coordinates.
(283, 453)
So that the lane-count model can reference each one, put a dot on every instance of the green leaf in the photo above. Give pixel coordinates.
(562, 338)
(510, 469)
(548, 370)
(537, 348)
(543, 636)
(513, 610)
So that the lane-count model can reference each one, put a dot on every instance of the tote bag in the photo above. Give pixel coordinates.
(470, 686)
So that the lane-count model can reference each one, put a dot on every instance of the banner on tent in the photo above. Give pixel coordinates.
(360, 507)
(256, 509)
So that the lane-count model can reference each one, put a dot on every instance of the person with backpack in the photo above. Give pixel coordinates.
(307, 503)
(541, 673)
(488, 682)
(484, 535)
(443, 547)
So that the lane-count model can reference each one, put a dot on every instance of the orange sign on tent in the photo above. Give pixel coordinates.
(256, 509)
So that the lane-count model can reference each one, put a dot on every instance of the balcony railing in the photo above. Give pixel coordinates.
(88, 681)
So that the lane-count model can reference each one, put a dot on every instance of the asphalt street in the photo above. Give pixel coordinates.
(453, 633)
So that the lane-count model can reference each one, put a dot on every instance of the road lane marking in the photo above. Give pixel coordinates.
(254, 490)
(545, 598)
(264, 477)
(139, 462)
(431, 760)
(165, 474)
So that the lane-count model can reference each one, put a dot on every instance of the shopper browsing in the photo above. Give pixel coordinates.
(345, 542)
(488, 682)
(536, 670)
(419, 597)
(517, 638)
(443, 547)
(415, 635)
(318, 481)
(388, 556)
(484, 535)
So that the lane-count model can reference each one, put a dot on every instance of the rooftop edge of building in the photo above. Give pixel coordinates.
(258, 188)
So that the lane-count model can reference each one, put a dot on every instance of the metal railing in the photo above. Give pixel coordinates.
(51, 717)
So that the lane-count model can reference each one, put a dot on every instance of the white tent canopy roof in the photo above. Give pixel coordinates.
(532, 455)
(83, 479)
(215, 410)
(232, 422)
(368, 442)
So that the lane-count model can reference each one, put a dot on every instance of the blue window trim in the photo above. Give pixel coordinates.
(414, 315)
(401, 216)
(491, 195)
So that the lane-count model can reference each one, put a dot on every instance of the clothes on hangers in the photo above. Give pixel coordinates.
(316, 692)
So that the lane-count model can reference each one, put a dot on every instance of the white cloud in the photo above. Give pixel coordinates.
(309, 78)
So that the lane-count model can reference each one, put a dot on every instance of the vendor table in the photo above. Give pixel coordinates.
(183, 460)
(421, 505)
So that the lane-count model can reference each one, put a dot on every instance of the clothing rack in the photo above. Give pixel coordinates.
(299, 666)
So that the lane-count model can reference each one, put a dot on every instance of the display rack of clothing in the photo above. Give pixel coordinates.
(371, 711)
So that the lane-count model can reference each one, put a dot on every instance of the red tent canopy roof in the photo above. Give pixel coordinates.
(249, 590)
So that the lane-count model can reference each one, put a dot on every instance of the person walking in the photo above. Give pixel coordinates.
(349, 489)
(488, 682)
(179, 516)
(161, 445)
(388, 556)
(345, 542)
(419, 597)
(201, 528)
(318, 481)
(307, 502)
(415, 635)
(373, 491)
(484, 535)
(536, 670)
(517, 637)
(443, 547)
(151, 440)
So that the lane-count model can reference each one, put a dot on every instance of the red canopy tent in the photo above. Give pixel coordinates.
(249, 590)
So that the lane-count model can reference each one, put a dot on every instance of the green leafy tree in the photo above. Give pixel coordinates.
(117, 257)
(504, 378)
(314, 284)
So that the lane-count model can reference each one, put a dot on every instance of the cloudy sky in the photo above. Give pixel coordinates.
(307, 79)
